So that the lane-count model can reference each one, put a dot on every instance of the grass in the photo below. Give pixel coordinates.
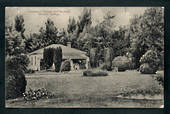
(73, 90)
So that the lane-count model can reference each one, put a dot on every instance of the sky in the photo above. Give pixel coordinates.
(35, 17)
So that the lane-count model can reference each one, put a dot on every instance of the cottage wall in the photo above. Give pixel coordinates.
(34, 62)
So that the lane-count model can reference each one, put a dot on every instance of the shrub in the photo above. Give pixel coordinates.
(161, 67)
(66, 66)
(48, 57)
(121, 62)
(151, 57)
(17, 62)
(15, 84)
(103, 67)
(94, 73)
(15, 81)
(160, 78)
(94, 58)
(36, 94)
(146, 69)
(108, 58)
(57, 59)
(29, 71)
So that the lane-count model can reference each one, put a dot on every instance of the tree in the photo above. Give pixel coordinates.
(57, 59)
(147, 31)
(93, 58)
(51, 32)
(108, 58)
(19, 25)
(15, 37)
(32, 43)
(84, 20)
(16, 61)
(75, 29)
(71, 27)
(48, 55)
(120, 41)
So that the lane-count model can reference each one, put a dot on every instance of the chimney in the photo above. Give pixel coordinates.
(69, 44)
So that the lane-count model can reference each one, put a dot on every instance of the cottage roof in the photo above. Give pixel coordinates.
(68, 52)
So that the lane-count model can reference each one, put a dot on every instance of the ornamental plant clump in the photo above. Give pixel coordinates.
(151, 59)
(31, 95)
(66, 66)
(121, 62)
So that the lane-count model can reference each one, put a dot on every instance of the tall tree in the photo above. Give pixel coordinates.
(19, 25)
(51, 32)
(71, 27)
(48, 55)
(75, 29)
(57, 59)
(146, 32)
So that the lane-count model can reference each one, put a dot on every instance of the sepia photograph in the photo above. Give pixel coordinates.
(84, 57)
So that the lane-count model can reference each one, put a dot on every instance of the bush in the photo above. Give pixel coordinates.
(66, 66)
(94, 73)
(37, 94)
(29, 71)
(159, 77)
(146, 69)
(15, 84)
(121, 62)
(151, 57)
(103, 67)
(57, 59)
(94, 58)
(15, 81)
(108, 58)
(48, 56)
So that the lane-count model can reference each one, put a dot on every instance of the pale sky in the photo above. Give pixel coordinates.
(35, 17)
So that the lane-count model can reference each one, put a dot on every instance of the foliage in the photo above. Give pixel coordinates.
(32, 43)
(93, 58)
(51, 32)
(17, 62)
(14, 43)
(14, 37)
(84, 20)
(160, 78)
(146, 69)
(31, 95)
(161, 66)
(152, 59)
(147, 31)
(15, 84)
(19, 23)
(94, 73)
(108, 58)
(71, 25)
(121, 62)
(15, 79)
(66, 66)
(30, 71)
(48, 55)
(120, 42)
(52, 55)
(57, 59)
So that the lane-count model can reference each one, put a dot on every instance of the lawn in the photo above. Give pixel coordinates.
(71, 89)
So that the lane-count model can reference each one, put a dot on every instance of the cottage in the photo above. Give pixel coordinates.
(77, 58)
